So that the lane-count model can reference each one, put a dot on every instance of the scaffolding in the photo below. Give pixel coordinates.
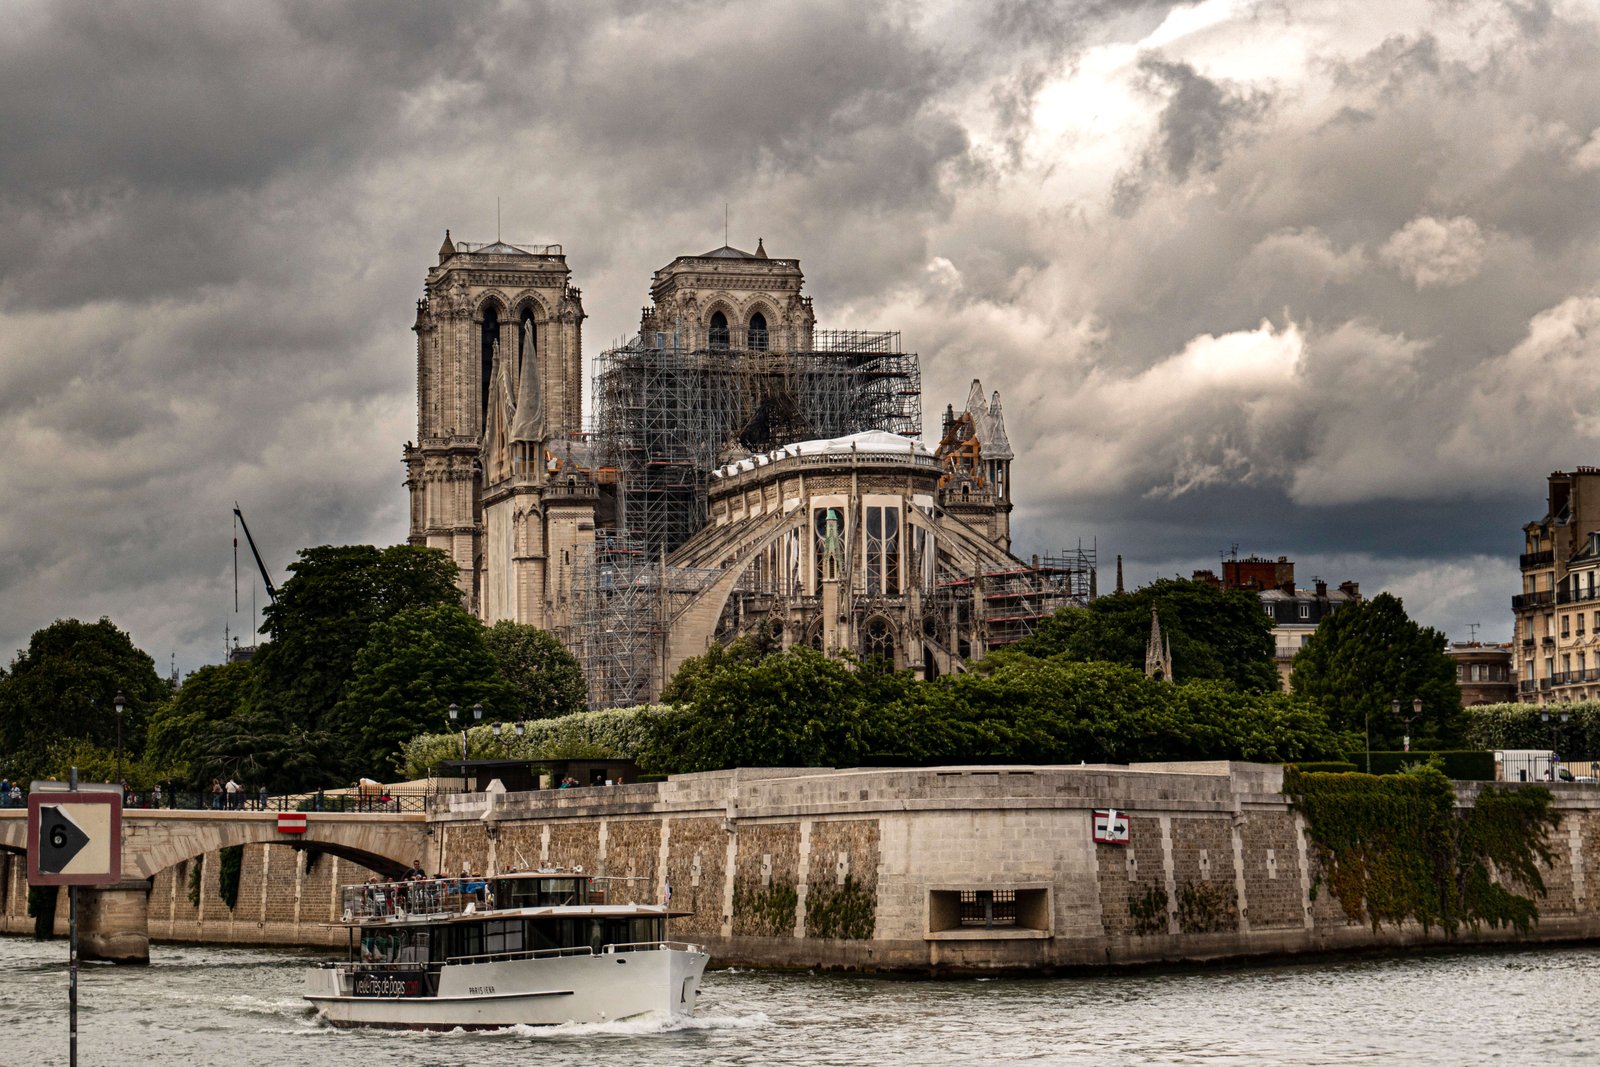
(624, 599)
(666, 415)
(1012, 602)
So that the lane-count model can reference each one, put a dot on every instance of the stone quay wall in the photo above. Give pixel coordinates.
(867, 869)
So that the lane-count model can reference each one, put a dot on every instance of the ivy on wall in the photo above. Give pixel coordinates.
(195, 878)
(848, 911)
(230, 860)
(1149, 912)
(765, 911)
(1396, 847)
(1206, 908)
(42, 907)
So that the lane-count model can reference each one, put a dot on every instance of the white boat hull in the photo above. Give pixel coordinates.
(584, 988)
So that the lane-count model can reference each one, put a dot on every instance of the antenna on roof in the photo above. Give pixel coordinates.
(497, 220)
(1472, 628)
(724, 224)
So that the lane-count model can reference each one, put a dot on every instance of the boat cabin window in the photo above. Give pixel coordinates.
(539, 892)
(395, 946)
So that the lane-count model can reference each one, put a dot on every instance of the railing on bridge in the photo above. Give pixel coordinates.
(389, 801)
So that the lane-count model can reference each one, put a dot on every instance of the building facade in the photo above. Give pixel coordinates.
(1557, 613)
(1485, 672)
(1295, 613)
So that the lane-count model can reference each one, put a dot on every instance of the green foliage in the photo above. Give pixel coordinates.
(1214, 633)
(1367, 655)
(614, 733)
(60, 689)
(414, 666)
(795, 709)
(42, 900)
(324, 616)
(230, 860)
(743, 706)
(185, 729)
(1464, 765)
(196, 879)
(1149, 911)
(1498, 726)
(1395, 847)
(1206, 908)
(546, 680)
(765, 911)
(848, 911)
(1324, 767)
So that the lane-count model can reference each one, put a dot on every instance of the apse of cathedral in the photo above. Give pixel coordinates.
(745, 472)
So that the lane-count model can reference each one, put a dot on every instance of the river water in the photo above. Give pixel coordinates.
(197, 1006)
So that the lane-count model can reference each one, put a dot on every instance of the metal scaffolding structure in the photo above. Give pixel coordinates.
(1011, 603)
(666, 415)
(624, 598)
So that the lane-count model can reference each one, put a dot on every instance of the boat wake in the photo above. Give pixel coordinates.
(641, 1026)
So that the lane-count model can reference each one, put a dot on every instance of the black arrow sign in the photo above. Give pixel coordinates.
(60, 839)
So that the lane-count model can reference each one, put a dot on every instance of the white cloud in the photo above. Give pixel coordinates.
(1431, 251)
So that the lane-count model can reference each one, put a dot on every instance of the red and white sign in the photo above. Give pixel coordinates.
(291, 822)
(1110, 826)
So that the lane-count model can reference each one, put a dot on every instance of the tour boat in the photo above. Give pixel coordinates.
(533, 948)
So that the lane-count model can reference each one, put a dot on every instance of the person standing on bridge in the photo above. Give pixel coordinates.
(235, 797)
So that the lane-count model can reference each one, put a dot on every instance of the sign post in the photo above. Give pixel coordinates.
(74, 838)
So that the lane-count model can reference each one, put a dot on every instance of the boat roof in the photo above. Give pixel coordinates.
(553, 911)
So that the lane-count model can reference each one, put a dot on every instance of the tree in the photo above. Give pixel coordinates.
(546, 679)
(1214, 632)
(324, 616)
(414, 666)
(184, 730)
(791, 709)
(61, 689)
(1370, 654)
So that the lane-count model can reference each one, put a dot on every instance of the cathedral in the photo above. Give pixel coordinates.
(745, 470)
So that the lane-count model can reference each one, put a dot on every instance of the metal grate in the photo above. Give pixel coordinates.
(988, 908)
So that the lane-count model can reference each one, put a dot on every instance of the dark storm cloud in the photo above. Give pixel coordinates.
(1332, 303)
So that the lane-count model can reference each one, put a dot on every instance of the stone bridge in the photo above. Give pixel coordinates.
(114, 921)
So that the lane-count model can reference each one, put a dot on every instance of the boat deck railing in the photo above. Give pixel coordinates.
(421, 897)
(579, 950)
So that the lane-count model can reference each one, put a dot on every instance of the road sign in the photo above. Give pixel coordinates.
(74, 837)
(291, 822)
(1110, 826)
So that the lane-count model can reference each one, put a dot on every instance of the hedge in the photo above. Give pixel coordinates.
(614, 733)
(1462, 765)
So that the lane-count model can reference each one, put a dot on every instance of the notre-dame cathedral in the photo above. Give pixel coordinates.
(744, 469)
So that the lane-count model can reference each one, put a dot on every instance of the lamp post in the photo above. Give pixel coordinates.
(455, 713)
(1544, 717)
(1416, 710)
(119, 702)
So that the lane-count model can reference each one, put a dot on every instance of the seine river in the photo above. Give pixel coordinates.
(241, 1007)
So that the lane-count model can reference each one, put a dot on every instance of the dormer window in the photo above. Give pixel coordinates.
(719, 330)
(758, 332)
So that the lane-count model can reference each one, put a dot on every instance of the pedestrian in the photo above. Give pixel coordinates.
(235, 796)
(263, 796)
(155, 795)
(216, 794)
(5, 793)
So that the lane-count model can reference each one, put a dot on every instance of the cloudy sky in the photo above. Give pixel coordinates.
(1315, 279)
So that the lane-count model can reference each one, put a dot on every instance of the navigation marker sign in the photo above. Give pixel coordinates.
(74, 837)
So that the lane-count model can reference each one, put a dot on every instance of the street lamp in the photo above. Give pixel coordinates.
(1544, 717)
(1416, 710)
(119, 702)
(455, 713)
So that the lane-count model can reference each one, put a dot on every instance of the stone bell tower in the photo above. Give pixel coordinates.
(499, 379)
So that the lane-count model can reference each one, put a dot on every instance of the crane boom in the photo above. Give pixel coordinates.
(272, 590)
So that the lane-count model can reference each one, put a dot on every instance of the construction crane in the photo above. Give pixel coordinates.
(272, 590)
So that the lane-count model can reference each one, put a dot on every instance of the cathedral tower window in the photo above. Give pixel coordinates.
(758, 332)
(527, 340)
(719, 330)
(491, 335)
